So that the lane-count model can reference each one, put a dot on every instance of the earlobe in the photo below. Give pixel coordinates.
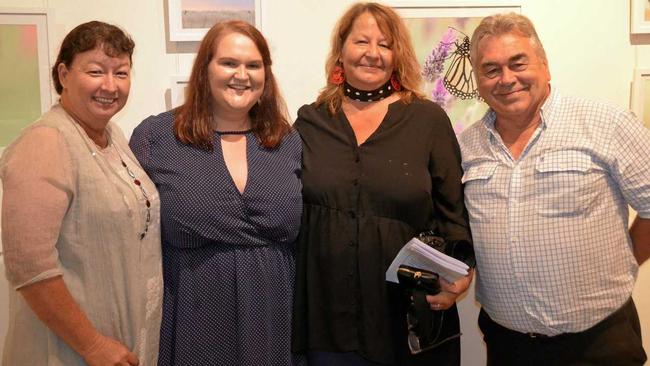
(63, 73)
(547, 70)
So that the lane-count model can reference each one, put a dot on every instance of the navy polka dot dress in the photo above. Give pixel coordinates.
(228, 258)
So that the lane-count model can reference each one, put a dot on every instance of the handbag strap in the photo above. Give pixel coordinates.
(423, 313)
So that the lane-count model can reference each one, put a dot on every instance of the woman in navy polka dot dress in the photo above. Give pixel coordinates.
(227, 167)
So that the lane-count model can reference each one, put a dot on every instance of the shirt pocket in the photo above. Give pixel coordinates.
(480, 171)
(564, 183)
(481, 194)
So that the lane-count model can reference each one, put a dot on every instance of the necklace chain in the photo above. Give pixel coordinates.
(138, 183)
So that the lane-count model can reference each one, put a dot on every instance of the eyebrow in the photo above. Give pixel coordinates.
(102, 64)
(230, 58)
(517, 57)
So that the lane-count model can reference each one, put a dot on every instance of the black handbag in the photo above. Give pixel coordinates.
(427, 328)
(459, 249)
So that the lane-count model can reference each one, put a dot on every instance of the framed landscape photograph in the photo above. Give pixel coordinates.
(640, 16)
(439, 28)
(189, 20)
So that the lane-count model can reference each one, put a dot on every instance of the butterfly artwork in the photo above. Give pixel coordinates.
(446, 68)
(438, 44)
(459, 79)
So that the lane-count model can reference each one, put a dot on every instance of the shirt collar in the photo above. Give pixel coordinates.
(550, 104)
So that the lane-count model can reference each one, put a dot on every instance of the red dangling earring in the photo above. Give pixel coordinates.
(395, 83)
(338, 75)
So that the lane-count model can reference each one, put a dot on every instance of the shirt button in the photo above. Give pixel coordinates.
(352, 214)
(355, 182)
(352, 244)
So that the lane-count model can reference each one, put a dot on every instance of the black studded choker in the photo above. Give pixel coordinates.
(368, 95)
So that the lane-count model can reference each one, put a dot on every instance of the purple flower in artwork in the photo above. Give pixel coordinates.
(458, 128)
(440, 95)
(434, 62)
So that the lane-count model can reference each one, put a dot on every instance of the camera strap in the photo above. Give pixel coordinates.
(423, 312)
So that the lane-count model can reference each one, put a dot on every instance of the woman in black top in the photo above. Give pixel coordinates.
(380, 164)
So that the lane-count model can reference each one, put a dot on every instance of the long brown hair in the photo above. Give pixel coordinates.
(406, 66)
(193, 120)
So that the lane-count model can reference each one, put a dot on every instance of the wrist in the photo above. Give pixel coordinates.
(90, 345)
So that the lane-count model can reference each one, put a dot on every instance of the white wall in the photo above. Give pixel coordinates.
(587, 42)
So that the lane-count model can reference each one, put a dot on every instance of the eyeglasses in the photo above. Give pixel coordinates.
(422, 342)
(147, 203)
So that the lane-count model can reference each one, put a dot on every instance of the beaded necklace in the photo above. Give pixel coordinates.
(136, 181)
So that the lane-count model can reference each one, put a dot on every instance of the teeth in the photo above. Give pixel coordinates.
(105, 100)
(239, 87)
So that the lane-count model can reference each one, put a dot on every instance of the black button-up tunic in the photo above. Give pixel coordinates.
(361, 205)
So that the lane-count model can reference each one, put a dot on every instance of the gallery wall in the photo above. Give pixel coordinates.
(587, 42)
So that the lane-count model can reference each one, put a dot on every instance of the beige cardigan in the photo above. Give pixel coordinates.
(71, 209)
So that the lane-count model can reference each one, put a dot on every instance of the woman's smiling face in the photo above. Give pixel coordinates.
(95, 86)
(367, 56)
(236, 74)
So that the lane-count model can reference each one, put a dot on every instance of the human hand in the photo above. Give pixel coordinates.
(449, 292)
(105, 351)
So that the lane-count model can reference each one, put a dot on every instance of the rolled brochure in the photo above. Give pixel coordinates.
(417, 254)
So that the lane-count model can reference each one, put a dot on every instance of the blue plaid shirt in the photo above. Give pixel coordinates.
(550, 228)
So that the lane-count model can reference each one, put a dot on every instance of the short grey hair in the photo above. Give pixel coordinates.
(499, 24)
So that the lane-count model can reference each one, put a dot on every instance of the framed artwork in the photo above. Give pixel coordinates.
(177, 90)
(439, 28)
(24, 71)
(189, 20)
(640, 16)
(641, 95)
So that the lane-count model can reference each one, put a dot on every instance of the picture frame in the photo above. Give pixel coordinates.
(430, 21)
(178, 84)
(26, 90)
(640, 101)
(640, 16)
(191, 24)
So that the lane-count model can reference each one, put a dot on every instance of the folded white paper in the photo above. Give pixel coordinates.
(419, 255)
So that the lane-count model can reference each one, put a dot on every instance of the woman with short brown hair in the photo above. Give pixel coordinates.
(80, 225)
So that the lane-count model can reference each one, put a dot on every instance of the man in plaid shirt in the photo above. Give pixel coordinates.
(548, 180)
